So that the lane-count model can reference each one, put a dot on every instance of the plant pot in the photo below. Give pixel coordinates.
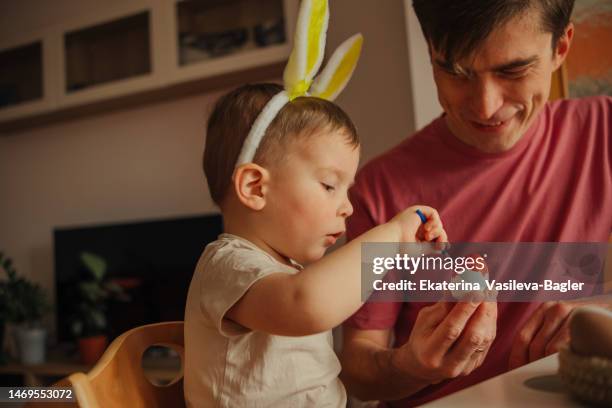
(31, 344)
(91, 348)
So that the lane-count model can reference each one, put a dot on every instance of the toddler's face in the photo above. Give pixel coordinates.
(307, 201)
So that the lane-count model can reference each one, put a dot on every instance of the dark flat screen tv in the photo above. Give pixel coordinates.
(152, 260)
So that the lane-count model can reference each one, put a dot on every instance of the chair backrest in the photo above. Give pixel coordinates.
(118, 380)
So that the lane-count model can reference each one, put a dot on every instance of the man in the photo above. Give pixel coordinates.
(501, 164)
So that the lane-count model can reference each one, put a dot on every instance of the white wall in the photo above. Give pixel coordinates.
(426, 106)
(129, 165)
(378, 98)
(144, 162)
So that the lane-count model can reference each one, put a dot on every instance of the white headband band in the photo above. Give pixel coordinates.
(267, 115)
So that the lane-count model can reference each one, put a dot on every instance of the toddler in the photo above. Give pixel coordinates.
(263, 298)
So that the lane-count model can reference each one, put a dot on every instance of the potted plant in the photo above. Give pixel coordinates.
(89, 323)
(23, 304)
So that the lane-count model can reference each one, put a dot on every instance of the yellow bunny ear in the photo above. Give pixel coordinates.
(339, 69)
(308, 47)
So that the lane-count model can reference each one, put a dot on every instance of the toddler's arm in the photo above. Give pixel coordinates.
(328, 291)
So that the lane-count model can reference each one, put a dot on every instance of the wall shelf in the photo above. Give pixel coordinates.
(140, 52)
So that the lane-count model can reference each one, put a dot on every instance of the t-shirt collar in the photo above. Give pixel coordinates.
(229, 236)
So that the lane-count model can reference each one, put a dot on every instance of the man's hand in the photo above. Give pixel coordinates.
(547, 330)
(448, 340)
(543, 334)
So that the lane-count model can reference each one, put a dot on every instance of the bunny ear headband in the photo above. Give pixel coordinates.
(304, 62)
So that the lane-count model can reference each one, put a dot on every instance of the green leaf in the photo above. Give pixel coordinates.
(98, 319)
(21, 301)
(95, 264)
(91, 291)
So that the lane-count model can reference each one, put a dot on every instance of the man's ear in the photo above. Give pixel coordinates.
(251, 185)
(563, 46)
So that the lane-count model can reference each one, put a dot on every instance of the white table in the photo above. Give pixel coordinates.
(533, 385)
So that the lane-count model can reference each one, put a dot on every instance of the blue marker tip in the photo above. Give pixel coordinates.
(421, 216)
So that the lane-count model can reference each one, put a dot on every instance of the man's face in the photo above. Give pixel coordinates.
(491, 102)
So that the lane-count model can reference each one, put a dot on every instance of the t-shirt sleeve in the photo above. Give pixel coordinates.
(226, 277)
(375, 316)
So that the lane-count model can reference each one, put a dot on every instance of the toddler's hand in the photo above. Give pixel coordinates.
(413, 230)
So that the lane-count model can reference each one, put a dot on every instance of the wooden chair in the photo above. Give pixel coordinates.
(118, 380)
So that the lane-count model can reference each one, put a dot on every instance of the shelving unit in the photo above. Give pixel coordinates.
(26, 75)
(21, 74)
(140, 51)
(213, 29)
(107, 52)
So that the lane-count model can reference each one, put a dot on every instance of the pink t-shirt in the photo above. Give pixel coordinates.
(554, 185)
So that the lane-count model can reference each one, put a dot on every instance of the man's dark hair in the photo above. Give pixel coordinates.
(455, 28)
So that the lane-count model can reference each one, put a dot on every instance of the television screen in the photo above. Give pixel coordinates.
(153, 261)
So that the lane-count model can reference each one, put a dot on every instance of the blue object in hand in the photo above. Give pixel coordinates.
(421, 216)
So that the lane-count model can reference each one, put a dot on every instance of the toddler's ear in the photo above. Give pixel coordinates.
(250, 185)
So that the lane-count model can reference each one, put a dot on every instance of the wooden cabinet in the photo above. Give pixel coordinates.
(140, 50)
(26, 87)
(21, 74)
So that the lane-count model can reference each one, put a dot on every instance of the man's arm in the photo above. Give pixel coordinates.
(448, 340)
(367, 371)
